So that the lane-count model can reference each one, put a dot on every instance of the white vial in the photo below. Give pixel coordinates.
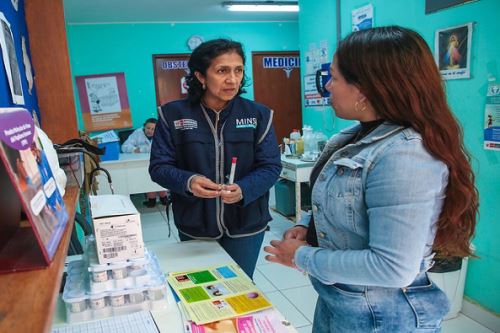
(136, 297)
(118, 300)
(77, 306)
(119, 273)
(100, 276)
(97, 303)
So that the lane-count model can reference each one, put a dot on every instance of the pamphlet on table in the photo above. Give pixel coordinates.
(217, 293)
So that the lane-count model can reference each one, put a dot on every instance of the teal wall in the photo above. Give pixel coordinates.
(466, 98)
(129, 48)
(317, 23)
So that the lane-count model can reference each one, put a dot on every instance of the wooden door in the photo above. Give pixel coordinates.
(276, 84)
(170, 70)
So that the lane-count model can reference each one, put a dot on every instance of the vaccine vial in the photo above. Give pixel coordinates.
(137, 297)
(97, 303)
(77, 306)
(100, 276)
(118, 300)
(119, 273)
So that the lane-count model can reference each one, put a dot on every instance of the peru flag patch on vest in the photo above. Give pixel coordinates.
(185, 124)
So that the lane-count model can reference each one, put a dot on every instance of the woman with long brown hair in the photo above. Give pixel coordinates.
(389, 194)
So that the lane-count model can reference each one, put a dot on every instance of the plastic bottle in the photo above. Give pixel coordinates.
(295, 138)
(308, 139)
(300, 146)
(320, 139)
(295, 135)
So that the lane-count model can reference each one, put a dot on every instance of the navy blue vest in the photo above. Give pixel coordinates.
(198, 149)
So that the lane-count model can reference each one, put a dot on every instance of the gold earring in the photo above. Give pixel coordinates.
(363, 107)
(203, 86)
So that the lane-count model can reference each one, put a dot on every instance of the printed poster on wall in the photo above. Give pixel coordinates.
(104, 102)
(362, 18)
(452, 51)
(492, 117)
(311, 95)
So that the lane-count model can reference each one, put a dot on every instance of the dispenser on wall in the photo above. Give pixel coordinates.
(322, 77)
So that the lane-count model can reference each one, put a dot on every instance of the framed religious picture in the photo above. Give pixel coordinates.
(453, 51)
(104, 102)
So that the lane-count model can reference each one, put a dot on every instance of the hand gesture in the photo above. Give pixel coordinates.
(283, 252)
(203, 187)
(296, 232)
(231, 193)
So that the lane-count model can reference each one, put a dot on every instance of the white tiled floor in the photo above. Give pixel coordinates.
(289, 290)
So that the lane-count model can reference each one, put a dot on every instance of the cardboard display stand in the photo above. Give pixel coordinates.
(29, 192)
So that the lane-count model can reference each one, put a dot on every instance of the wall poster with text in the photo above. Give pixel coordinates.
(104, 102)
(362, 18)
(452, 51)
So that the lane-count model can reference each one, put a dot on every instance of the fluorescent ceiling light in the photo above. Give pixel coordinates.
(266, 6)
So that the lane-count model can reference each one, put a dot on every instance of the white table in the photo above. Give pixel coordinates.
(298, 172)
(129, 175)
(174, 257)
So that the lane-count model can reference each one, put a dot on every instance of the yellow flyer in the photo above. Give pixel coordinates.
(216, 293)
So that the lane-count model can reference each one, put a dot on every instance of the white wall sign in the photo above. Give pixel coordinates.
(281, 62)
(169, 65)
(362, 18)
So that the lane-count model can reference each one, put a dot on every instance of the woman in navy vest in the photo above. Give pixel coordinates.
(195, 142)
(389, 194)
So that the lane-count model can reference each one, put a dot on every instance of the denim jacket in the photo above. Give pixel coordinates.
(375, 205)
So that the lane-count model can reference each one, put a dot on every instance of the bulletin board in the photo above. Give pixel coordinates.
(14, 14)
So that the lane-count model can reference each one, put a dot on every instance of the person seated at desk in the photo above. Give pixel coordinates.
(140, 142)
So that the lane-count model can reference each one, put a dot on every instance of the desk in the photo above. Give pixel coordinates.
(129, 175)
(299, 172)
(174, 257)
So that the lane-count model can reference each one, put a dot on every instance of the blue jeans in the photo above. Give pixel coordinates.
(343, 308)
(243, 250)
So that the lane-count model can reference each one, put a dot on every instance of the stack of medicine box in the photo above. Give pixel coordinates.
(117, 275)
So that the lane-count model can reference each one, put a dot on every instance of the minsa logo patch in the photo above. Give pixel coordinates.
(246, 123)
(185, 124)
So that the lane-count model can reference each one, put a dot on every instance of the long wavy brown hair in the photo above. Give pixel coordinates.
(394, 68)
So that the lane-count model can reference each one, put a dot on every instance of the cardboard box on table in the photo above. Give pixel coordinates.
(117, 228)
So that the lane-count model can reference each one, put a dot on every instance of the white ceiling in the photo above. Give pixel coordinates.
(124, 11)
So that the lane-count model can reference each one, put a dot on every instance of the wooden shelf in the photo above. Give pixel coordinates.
(28, 299)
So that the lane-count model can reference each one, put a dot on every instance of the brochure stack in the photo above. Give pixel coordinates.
(224, 299)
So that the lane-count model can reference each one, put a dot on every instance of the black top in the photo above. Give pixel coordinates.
(366, 128)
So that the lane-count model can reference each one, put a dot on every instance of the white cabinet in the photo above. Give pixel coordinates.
(298, 172)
